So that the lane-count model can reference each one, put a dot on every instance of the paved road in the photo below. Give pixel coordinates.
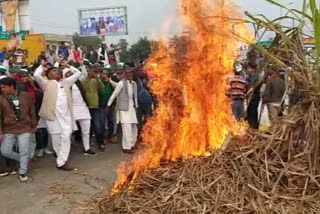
(50, 191)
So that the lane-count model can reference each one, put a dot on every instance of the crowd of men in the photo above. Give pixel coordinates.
(68, 95)
(91, 96)
(261, 97)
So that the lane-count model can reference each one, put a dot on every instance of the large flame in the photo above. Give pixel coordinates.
(193, 115)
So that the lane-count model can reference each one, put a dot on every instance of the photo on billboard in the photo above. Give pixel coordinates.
(103, 21)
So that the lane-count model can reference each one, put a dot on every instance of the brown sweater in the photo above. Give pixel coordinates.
(275, 90)
(28, 121)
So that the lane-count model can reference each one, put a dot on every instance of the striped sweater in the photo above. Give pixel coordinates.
(237, 87)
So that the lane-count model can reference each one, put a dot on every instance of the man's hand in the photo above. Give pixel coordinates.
(43, 63)
(107, 79)
(96, 76)
(60, 58)
(1, 138)
(264, 101)
(29, 80)
(107, 110)
(81, 62)
(65, 64)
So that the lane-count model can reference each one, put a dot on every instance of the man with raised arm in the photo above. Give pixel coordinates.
(56, 108)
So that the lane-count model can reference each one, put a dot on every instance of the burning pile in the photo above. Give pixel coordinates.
(189, 78)
(176, 173)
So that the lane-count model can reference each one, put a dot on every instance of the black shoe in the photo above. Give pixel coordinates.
(127, 151)
(67, 168)
(90, 153)
(3, 174)
(102, 148)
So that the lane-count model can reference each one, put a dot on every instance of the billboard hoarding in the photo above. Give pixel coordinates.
(9, 10)
(110, 21)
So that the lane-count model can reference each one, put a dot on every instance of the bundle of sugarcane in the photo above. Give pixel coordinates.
(263, 173)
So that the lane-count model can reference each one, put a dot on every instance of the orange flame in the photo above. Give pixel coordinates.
(189, 76)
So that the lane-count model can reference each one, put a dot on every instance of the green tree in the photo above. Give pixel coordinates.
(137, 52)
(124, 53)
(123, 44)
(78, 40)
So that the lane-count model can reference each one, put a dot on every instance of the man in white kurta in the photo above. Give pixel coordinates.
(61, 127)
(127, 117)
(81, 112)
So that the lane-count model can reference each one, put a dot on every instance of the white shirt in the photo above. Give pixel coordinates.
(77, 99)
(7, 66)
(80, 109)
(125, 116)
(63, 121)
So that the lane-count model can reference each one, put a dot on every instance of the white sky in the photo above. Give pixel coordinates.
(145, 17)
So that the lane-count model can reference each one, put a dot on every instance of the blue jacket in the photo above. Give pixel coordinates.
(64, 52)
(144, 97)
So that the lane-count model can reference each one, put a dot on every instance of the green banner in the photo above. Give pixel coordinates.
(7, 36)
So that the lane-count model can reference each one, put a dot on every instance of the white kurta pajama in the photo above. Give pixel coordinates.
(128, 119)
(63, 125)
(61, 128)
(80, 109)
(82, 115)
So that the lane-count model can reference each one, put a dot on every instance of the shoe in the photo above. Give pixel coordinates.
(13, 171)
(14, 168)
(113, 140)
(3, 174)
(66, 167)
(90, 153)
(127, 151)
(48, 152)
(102, 148)
(23, 178)
(39, 154)
(31, 160)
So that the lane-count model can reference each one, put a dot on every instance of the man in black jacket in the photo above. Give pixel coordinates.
(254, 91)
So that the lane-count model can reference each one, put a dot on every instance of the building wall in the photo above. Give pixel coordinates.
(34, 44)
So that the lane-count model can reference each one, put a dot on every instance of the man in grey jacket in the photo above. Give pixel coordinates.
(127, 103)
